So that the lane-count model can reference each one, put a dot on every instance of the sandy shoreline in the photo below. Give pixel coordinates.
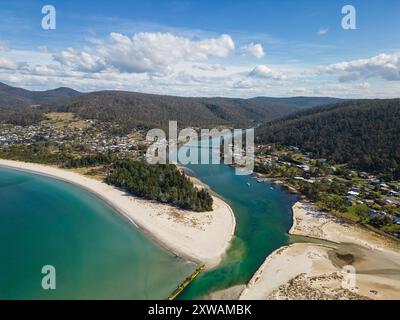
(201, 237)
(314, 271)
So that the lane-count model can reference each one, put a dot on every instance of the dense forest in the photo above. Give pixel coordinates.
(146, 110)
(52, 153)
(163, 183)
(132, 109)
(39, 152)
(364, 133)
(22, 117)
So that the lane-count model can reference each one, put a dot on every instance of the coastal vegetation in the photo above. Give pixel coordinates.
(40, 152)
(365, 198)
(163, 183)
(363, 134)
(95, 149)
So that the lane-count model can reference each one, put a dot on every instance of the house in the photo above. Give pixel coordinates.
(304, 167)
(364, 175)
(374, 181)
(394, 193)
(388, 201)
(384, 185)
(353, 193)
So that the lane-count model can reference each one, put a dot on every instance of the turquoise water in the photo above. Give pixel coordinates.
(263, 216)
(96, 252)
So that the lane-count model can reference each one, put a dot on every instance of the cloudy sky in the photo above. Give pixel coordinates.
(204, 48)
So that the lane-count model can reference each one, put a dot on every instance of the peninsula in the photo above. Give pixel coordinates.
(200, 237)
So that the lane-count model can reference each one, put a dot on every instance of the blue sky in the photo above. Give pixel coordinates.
(207, 48)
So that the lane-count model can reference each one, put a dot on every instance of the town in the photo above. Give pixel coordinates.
(67, 132)
(373, 200)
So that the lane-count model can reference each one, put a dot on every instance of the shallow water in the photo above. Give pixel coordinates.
(96, 252)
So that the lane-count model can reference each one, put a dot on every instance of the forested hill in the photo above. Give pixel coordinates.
(132, 109)
(12, 97)
(363, 133)
(300, 103)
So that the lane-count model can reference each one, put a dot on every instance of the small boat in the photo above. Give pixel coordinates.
(248, 184)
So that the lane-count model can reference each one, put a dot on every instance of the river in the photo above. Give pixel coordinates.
(263, 216)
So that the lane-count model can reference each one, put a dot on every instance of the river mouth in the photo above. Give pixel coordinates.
(263, 218)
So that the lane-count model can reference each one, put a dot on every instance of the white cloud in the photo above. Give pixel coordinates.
(234, 82)
(167, 64)
(209, 67)
(322, 31)
(80, 61)
(244, 84)
(254, 49)
(8, 64)
(264, 72)
(145, 52)
(386, 66)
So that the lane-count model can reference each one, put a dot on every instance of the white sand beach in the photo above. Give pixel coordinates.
(314, 270)
(201, 237)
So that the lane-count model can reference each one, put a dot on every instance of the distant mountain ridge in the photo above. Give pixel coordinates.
(13, 97)
(301, 102)
(132, 109)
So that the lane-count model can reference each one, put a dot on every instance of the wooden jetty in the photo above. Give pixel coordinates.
(186, 282)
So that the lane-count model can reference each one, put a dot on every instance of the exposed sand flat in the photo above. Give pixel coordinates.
(313, 271)
(201, 237)
(309, 221)
(279, 267)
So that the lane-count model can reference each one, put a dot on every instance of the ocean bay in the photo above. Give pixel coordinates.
(97, 253)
